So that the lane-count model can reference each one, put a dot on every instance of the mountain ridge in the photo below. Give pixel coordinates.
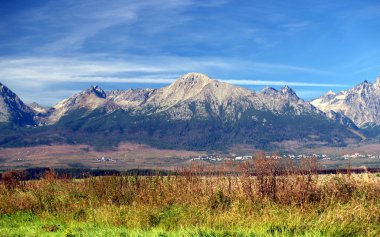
(194, 111)
(196, 89)
(361, 103)
(13, 109)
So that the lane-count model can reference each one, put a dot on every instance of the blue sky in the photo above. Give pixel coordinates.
(52, 49)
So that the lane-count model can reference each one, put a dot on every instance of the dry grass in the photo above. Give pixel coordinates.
(282, 196)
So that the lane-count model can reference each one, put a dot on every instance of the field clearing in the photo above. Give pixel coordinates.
(138, 156)
(299, 147)
(126, 156)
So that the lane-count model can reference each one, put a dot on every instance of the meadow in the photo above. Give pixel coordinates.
(262, 197)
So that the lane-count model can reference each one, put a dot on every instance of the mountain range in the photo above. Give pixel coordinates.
(194, 112)
(361, 104)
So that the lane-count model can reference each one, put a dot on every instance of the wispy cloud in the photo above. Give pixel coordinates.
(47, 70)
(284, 67)
(282, 83)
(152, 42)
(66, 26)
(39, 72)
(68, 69)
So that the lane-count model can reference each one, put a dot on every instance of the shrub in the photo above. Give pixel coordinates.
(13, 179)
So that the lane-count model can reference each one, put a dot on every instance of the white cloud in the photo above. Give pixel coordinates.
(48, 70)
(41, 79)
(267, 67)
(282, 83)
(155, 70)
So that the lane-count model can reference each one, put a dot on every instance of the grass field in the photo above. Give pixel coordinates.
(282, 199)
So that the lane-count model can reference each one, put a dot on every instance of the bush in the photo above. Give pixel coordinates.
(13, 179)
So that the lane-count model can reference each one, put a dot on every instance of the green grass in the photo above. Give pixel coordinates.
(284, 224)
(272, 220)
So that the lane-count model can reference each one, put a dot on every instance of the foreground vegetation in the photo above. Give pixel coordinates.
(282, 199)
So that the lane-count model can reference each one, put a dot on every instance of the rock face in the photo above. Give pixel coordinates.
(38, 109)
(95, 98)
(92, 98)
(196, 96)
(361, 103)
(13, 110)
(286, 102)
(130, 99)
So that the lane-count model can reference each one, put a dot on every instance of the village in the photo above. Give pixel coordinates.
(233, 157)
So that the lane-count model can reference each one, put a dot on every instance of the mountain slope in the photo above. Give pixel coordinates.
(13, 110)
(38, 109)
(192, 96)
(361, 103)
(196, 96)
(92, 98)
(194, 112)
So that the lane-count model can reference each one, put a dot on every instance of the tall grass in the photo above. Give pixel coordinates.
(265, 196)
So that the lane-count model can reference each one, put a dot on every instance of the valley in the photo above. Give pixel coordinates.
(129, 156)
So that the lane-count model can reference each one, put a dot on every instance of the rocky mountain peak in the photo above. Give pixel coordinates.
(187, 86)
(269, 91)
(4, 90)
(286, 90)
(195, 77)
(268, 88)
(363, 88)
(289, 92)
(6, 93)
(328, 95)
(192, 80)
(94, 89)
(361, 103)
(12, 109)
(364, 84)
(377, 82)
